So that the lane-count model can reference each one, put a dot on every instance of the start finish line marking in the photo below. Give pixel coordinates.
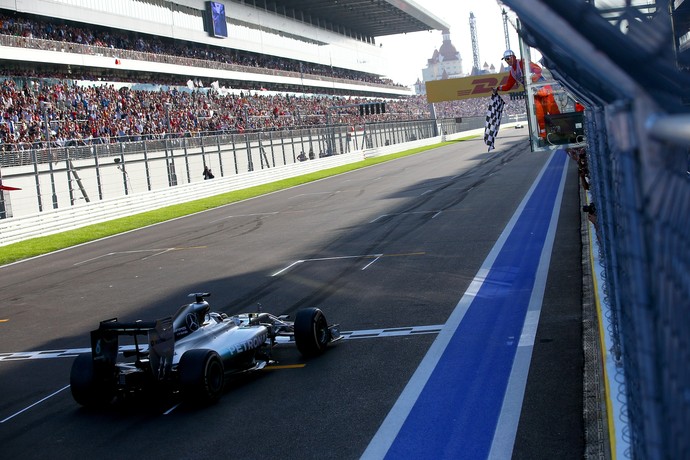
(73, 352)
(347, 335)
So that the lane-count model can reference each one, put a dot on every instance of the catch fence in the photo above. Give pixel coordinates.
(76, 173)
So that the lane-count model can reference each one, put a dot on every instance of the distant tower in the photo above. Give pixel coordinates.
(444, 63)
(505, 29)
(475, 45)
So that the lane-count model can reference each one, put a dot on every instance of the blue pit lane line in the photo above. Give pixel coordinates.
(465, 397)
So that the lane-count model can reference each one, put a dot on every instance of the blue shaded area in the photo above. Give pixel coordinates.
(456, 413)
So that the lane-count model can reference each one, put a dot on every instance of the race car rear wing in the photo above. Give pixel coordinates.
(105, 340)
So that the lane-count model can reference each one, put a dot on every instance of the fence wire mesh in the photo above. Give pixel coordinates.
(623, 60)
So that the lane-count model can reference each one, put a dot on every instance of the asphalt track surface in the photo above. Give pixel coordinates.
(391, 252)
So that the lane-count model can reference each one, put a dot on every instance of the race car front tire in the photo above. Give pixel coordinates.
(202, 376)
(88, 389)
(311, 332)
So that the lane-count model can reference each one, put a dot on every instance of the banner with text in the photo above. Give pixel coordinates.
(467, 87)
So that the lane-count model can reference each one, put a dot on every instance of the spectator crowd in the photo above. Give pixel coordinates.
(36, 111)
(30, 27)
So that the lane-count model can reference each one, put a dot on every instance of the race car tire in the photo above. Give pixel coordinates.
(311, 332)
(202, 376)
(87, 389)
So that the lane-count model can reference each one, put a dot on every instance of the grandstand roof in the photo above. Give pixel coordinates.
(373, 18)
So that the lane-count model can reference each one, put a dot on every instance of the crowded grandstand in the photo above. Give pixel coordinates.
(82, 105)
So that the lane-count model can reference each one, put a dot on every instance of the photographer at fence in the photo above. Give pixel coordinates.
(207, 173)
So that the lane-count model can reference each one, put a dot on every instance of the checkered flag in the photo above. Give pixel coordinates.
(493, 120)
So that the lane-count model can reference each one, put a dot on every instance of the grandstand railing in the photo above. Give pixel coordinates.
(116, 53)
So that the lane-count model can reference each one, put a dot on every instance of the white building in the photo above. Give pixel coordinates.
(444, 63)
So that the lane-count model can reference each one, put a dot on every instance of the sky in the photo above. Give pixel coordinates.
(408, 53)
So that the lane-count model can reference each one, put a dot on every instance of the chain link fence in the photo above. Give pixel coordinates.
(623, 63)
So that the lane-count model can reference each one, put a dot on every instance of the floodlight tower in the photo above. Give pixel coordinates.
(475, 45)
(505, 29)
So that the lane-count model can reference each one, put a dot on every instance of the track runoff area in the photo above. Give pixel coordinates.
(432, 419)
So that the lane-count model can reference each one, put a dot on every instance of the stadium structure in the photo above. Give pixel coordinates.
(317, 42)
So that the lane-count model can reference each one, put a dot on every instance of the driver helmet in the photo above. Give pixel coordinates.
(508, 53)
(201, 310)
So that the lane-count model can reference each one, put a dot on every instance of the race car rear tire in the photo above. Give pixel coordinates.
(88, 389)
(311, 332)
(202, 376)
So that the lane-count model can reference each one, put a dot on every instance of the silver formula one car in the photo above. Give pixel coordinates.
(192, 352)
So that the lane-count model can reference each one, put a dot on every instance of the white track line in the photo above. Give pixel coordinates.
(37, 402)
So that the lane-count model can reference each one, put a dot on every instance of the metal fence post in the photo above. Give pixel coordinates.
(234, 153)
(170, 163)
(186, 158)
(220, 157)
(250, 163)
(121, 166)
(68, 170)
(52, 178)
(146, 166)
(34, 159)
(282, 148)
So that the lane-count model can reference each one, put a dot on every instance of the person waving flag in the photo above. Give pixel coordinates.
(493, 119)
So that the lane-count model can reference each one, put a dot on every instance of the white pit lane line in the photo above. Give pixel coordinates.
(73, 352)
